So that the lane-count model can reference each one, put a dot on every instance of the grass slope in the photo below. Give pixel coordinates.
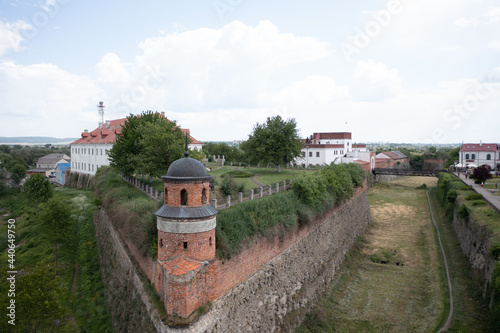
(392, 281)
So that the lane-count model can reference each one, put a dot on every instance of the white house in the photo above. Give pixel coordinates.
(477, 154)
(47, 164)
(91, 151)
(336, 147)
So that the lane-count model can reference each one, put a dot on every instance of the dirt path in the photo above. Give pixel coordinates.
(446, 325)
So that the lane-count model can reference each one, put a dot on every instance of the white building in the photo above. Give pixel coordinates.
(91, 151)
(477, 154)
(336, 147)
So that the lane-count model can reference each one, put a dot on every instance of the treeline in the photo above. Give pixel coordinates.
(454, 195)
(418, 154)
(16, 160)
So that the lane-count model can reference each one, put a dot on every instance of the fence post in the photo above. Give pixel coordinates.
(241, 196)
(261, 190)
(270, 190)
(277, 187)
(284, 185)
(214, 203)
(228, 200)
(251, 194)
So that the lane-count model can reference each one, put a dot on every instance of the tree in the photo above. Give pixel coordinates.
(38, 189)
(198, 155)
(18, 172)
(161, 144)
(58, 226)
(276, 141)
(37, 298)
(481, 173)
(453, 155)
(148, 143)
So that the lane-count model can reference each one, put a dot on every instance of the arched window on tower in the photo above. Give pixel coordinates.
(184, 198)
(204, 196)
(166, 196)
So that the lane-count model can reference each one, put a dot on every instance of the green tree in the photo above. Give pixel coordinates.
(59, 227)
(148, 144)
(453, 155)
(37, 300)
(198, 155)
(162, 143)
(276, 141)
(38, 189)
(18, 172)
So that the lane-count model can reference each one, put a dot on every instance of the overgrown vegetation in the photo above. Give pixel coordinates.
(131, 210)
(69, 298)
(313, 194)
(472, 206)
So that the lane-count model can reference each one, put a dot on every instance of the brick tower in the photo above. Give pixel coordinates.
(186, 237)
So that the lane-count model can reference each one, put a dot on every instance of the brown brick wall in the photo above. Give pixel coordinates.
(194, 190)
(171, 245)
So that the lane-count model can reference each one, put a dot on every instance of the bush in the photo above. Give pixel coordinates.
(422, 187)
(452, 196)
(479, 203)
(474, 196)
(240, 174)
(464, 212)
(227, 184)
(477, 181)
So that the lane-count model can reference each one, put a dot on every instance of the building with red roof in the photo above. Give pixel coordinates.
(477, 154)
(91, 151)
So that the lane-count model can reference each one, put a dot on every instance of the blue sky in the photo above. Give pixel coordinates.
(397, 71)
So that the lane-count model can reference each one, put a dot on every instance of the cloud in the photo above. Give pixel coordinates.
(374, 82)
(42, 97)
(11, 36)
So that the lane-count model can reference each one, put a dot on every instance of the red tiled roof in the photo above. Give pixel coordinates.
(479, 147)
(333, 135)
(324, 146)
(181, 266)
(109, 132)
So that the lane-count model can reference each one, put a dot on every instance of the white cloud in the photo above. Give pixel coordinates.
(37, 97)
(11, 36)
(374, 82)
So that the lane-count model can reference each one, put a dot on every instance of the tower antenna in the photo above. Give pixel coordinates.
(100, 110)
(186, 153)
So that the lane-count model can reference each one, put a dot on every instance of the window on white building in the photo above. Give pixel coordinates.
(488, 157)
(310, 154)
(317, 154)
(473, 156)
(303, 154)
(467, 156)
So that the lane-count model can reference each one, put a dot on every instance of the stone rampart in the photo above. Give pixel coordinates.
(267, 288)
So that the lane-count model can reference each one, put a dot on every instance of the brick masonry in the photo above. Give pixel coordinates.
(266, 288)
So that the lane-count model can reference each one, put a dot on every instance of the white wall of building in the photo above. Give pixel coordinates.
(87, 158)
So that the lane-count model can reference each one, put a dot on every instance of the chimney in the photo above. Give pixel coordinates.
(85, 131)
(108, 123)
(480, 143)
(163, 114)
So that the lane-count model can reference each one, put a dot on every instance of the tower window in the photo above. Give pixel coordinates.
(210, 241)
(204, 196)
(184, 198)
(185, 244)
(161, 242)
(166, 196)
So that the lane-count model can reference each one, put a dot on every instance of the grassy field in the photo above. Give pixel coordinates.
(393, 280)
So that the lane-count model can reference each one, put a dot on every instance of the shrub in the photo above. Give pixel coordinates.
(422, 187)
(227, 184)
(479, 203)
(452, 196)
(464, 212)
(474, 196)
(240, 174)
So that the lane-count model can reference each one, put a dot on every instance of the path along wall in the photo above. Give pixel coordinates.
(267, 288)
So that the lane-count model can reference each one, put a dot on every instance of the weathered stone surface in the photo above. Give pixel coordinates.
(274, 298)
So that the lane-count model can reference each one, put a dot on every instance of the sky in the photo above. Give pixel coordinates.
(387, 71)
